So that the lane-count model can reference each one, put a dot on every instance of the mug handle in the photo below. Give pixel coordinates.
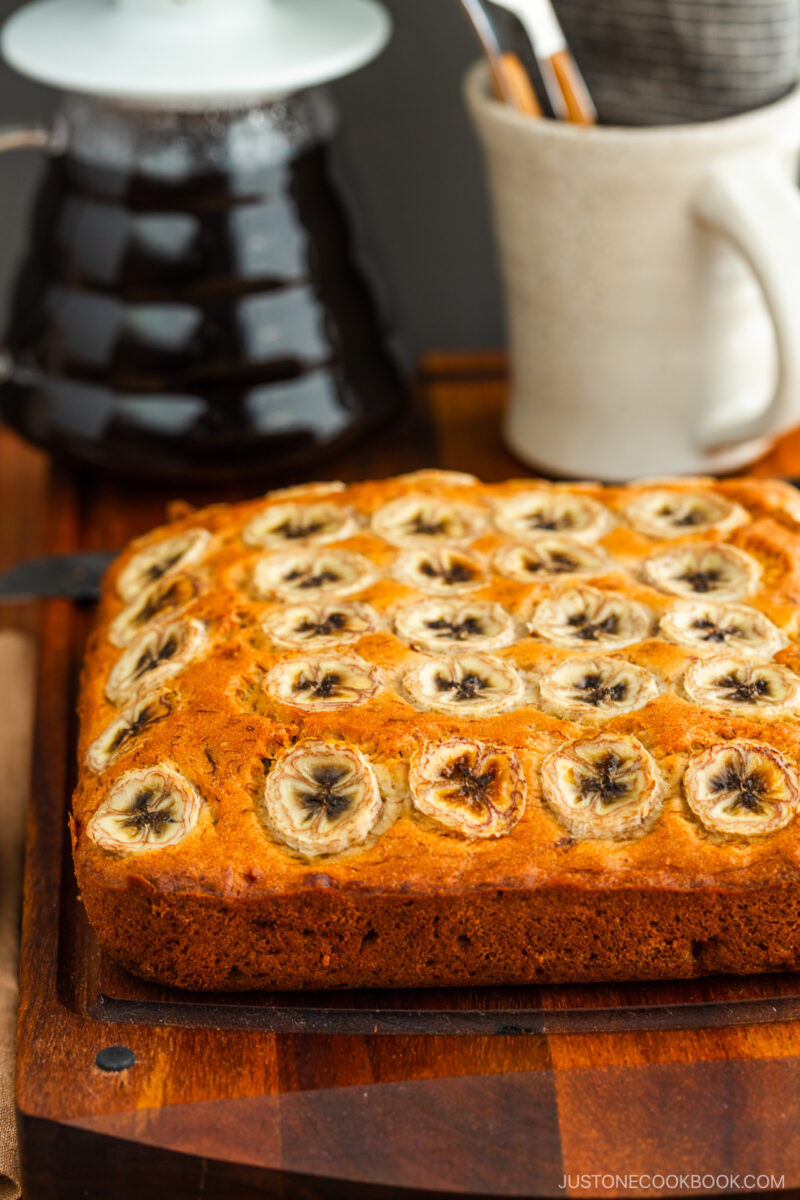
(36, 136)
(753, 203)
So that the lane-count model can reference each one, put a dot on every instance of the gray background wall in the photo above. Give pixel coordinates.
(415, 164)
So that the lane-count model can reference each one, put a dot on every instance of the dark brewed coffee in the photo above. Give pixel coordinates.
(197, 324)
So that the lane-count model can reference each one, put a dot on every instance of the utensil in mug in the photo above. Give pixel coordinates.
(563, 82)
(652, 286)
(510, 80)
(657, 62)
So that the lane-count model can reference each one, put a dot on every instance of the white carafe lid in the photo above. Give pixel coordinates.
(192, 51)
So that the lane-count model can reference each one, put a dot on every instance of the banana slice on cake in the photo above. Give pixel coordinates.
(784, 495)
(307, 574)
(550, 555)
(585, 688)
(123, 731)
(321, 625)
(530, 514)
(166, 598)
(325, 487)
(477, 790)
(321, 798)
(742, 788)
(448, 624)
(161, 560)
(414, 520)
(157, 654)
(444, 572)
(601, 787)
(718, 571)
(586, 617)
(730, 684)
(322, 682)
(470, 685)
(438, 475)
(665, 514)
(707, 626)
(281, 525)
(146, 809)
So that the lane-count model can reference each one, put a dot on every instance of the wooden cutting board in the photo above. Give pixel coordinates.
(500, 1092)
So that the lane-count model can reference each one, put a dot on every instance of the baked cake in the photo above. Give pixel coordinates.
(426, 731)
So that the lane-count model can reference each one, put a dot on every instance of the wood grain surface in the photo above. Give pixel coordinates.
(224, 1104)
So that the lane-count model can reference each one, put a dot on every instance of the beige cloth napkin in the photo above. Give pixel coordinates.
(16, 674)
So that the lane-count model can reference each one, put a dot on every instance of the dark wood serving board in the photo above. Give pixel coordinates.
(493, 1092)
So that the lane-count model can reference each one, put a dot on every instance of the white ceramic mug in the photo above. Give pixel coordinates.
(652, 281)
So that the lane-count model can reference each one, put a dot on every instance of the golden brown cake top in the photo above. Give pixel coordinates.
(428, 683)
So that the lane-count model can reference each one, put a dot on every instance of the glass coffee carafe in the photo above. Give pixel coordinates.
(194, 302)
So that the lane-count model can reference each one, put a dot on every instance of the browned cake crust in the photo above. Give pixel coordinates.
(312, 754)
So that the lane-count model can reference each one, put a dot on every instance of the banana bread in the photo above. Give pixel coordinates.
(426, 731)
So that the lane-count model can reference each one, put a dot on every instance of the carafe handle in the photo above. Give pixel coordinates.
(37, 135)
